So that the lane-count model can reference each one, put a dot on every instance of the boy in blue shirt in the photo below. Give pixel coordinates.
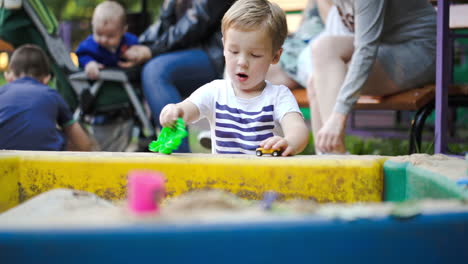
(30, 111)
(104, 48)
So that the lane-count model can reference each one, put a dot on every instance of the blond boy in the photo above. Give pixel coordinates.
(245, 111)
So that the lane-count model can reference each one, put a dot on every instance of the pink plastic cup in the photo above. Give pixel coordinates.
(145, 190)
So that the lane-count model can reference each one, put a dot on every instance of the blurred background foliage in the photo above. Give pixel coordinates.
(83, 9)
(77, 15)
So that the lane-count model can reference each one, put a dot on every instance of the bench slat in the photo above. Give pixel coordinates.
(411, 100)
(458, 16)
(291, 5)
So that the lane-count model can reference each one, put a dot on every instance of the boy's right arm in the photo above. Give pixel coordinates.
(186, 109)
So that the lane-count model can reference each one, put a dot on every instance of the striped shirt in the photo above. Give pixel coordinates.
(238, 125)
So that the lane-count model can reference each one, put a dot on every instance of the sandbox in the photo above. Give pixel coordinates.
(363, 209)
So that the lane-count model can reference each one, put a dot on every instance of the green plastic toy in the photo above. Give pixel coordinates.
(170, 138)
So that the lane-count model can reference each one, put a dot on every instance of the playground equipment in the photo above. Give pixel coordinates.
(111, 99)
(405, 235)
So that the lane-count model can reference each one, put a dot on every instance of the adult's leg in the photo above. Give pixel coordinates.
(400, 67)
(331, 55)
(170, 77)
(277, 76)
(379, 83)
(316, 120)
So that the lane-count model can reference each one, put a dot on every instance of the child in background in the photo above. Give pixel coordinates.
(30, 110)
(245, 111)
(109, 41)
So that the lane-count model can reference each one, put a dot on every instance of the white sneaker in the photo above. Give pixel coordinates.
(204, 137)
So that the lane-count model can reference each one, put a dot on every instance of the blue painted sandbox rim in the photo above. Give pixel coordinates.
(432, 238)
(304, 222)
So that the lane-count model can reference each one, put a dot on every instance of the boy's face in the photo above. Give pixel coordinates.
(248, 56)
(108, 34)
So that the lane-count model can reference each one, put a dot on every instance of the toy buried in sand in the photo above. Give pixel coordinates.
(145, 191)
(273, 152)
(170, 138)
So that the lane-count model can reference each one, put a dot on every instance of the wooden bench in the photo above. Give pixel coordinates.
(293, 10)
(5, 46)
(409, 100)
(291, 5)
(420, 100)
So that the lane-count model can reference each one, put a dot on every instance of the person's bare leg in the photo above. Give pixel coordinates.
(316, 120)
(330, 57)
(378, 83)
(277, 76)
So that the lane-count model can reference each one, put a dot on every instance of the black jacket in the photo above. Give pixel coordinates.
(198, 26)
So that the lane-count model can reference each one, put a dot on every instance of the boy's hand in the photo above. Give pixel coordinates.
(277, 142)
(169, 115)
(92, 70)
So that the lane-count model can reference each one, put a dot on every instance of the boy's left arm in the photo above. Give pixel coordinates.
(78, 139)
(296, 135)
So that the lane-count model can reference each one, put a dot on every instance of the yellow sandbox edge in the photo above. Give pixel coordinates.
(326, 179)
(9, 194)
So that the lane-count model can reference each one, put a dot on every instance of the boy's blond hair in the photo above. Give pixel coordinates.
(254, 14)
(109, 11)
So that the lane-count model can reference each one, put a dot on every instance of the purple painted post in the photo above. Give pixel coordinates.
(442, 75)
(65, 33)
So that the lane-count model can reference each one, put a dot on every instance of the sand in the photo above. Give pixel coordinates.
(70, 209)
(451, 167)
(66, 208)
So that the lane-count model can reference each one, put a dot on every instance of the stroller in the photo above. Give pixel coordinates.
(110, 108)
